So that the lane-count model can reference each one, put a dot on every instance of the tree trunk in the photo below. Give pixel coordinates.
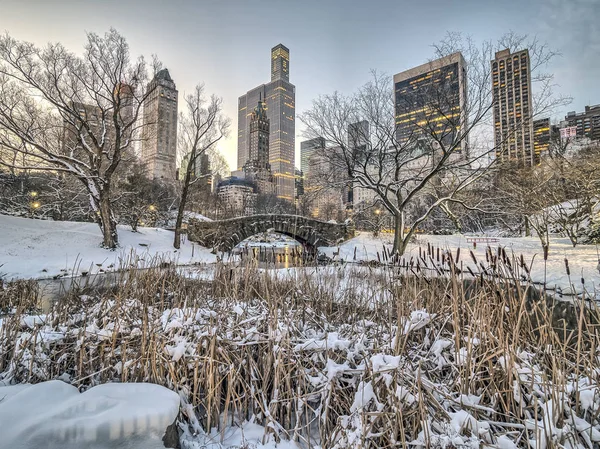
(527, 228)
(400, 242)
(107, 222)
(181, 209)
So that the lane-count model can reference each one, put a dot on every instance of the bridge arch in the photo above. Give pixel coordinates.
(224, 235)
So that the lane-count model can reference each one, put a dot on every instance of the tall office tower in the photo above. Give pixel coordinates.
(511, 93)
(159, 133)
(308, 148)
(279, 96)
(257, 168)
(584, 124)
(431, 100)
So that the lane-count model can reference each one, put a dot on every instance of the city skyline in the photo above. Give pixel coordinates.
(334, 56)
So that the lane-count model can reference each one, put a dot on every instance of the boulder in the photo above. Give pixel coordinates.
(55, 415)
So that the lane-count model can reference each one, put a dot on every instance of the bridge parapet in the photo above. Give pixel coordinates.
(224, 235)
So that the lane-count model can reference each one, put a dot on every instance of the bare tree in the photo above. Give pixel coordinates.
(201, 126)
(421, 151)
(525, 191)
(575, 189)
(72, 114)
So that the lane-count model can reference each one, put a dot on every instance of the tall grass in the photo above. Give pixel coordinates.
(337, 356)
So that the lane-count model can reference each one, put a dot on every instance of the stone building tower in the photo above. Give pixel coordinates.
(257, 169)
(159, 134)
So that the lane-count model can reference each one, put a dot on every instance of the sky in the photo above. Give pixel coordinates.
(334, 44)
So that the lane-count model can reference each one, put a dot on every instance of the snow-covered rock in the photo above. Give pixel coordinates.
(55, 415)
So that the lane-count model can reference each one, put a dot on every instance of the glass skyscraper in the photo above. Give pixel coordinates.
(430, 100)
(279, 96)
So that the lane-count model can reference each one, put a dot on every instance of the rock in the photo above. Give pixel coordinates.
(55, 415)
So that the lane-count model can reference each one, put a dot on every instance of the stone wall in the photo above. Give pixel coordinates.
(224, 235)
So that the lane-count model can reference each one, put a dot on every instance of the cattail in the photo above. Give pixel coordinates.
(567, 267)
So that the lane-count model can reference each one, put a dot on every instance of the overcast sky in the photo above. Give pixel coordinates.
(333, 43)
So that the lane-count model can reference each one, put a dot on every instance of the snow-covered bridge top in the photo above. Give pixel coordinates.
(224, 235)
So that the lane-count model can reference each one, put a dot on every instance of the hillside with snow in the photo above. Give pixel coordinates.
(45, 249)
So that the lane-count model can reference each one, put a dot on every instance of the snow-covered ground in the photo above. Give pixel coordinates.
(54, 414)
(44, 249)
(583, 260)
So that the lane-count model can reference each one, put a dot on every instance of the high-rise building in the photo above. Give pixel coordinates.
(358, 135)
(511, 93)
(431, 100)
(543, 135)
(101, 125)
(159, 133)
(257, 168)
(307, 149)
(584, 124)
(279, 97)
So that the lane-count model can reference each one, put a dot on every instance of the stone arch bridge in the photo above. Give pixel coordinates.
(224, 235)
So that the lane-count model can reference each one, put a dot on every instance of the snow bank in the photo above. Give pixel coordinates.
(55, 415)
(583, 259)
(44, 249)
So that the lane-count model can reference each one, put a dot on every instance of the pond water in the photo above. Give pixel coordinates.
(270, 250)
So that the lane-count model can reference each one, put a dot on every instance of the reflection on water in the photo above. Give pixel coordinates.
(272, 256)
(270, 250)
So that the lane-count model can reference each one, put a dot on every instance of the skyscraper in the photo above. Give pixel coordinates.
(307, 149)
(257, 168)
(430, 100)
(159, 133)
(511, 92)
(279, 97)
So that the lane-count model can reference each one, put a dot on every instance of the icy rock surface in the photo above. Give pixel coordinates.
(55, 415)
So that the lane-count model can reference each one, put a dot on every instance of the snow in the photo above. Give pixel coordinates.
(54, 414)
(44, 249)
(583, 259)
(247, 435)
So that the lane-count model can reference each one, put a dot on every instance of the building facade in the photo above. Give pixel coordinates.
(279, 97)
(159, 133)
(257, 168)
(238, 196)
(584, 124)
(544, 133)
(511, 93)
(430, 100)
(307, 149)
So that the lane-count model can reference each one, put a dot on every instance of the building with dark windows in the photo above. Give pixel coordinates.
(307, 149)
(279, 98)
(584, 124)
(358, 135)
(430, 100)
(511, 91)
(257, 168)
(159, 133)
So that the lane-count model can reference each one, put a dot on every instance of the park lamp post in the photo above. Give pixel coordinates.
(377, 222)
(152, 208)
(34, 205)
